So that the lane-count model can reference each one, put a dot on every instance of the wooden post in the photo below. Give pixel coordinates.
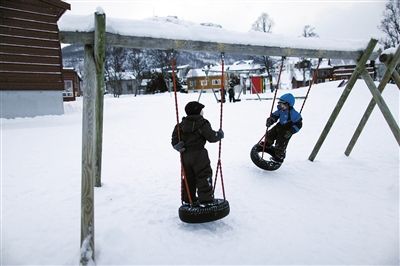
(88, 157)
(387, 59)
(99, 55)
(357, 71)
(396, 78)
(391, 65)
(382, 105)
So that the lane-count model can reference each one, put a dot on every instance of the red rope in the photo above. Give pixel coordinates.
(311, 83)
(183, 174)
(219, 164)
(272, 106)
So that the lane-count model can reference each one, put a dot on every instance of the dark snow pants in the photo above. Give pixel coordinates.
(198, 175)
(277, 134)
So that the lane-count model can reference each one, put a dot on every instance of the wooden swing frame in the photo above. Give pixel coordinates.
(92, 122)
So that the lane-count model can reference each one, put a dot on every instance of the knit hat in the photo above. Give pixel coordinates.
(193, 108)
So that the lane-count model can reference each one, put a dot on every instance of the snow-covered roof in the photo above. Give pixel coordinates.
(199, 72)
(244, 65)
(217, 68)
(323, 65)
(195, 72)
(298, 74)
(342, 62)
(124, 75)
(144, 82)
(176, 29)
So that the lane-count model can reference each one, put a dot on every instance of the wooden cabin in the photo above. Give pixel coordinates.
(31, 81)
(336, 70)
(197, 80)
(72, 84)
(345, 72)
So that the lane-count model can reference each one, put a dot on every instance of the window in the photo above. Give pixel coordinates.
(203, 83)
(68, 88)
(216, 82)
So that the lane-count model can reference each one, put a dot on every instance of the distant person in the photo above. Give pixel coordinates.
(290, 122)
(231, 92)
(195, 131)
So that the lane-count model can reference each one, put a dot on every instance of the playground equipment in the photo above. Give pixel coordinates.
(95, 40)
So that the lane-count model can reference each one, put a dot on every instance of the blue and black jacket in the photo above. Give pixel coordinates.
(290, 116)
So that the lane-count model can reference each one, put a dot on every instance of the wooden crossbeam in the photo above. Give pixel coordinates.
(392, 62)
(357, 71)
(75, 37)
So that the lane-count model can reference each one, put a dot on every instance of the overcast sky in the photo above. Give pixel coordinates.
(339, 19)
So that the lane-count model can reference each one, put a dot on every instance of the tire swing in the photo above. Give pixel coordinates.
(219, 208)
(258, 150)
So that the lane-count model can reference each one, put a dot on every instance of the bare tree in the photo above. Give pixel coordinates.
(114, 67)
(264, 23)
(304, 64)
(309, 31)
(137, 63)
(163, 59)
(390, 24)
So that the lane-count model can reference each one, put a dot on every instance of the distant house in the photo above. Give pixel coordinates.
(298, 78)
(324, 73)
(72, 84)
(335, 69)
(345, 71)
(198, 80)
(31, 80)
(121, 83)
(246, 66)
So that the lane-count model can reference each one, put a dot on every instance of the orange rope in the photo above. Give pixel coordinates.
(183, 174)
(272, 106)
(311, 83)
(219, 164)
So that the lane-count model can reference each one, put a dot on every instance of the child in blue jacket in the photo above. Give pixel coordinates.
(290, 122)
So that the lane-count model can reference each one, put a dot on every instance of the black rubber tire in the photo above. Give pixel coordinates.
(262, 163)
(196, 214)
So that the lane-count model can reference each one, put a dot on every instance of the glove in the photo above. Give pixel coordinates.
(270, 121)
(180, 146)
(287, 134)
(220, 134)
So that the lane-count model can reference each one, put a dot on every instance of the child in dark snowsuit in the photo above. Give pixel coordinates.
(194, 132)
(290, 122)
(231, 93)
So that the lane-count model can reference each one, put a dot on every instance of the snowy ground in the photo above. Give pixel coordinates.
(336, 210)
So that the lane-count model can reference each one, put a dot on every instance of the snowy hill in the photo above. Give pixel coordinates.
(337, 210)
(73, 57)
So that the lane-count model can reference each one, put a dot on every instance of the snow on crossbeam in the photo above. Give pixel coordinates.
(173, 33)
